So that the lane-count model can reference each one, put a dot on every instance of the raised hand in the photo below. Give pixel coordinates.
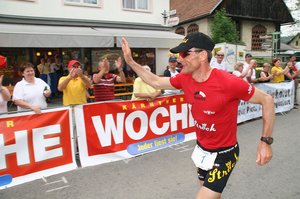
(126, 51)
(79, 72)
(73, 73)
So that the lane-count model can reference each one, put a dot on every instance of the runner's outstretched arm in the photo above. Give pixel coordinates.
(150, 78)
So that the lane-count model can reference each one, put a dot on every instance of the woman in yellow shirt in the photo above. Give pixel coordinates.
(277, 71)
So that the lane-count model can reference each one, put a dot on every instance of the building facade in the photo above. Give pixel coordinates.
(84, 30)
(252, 18)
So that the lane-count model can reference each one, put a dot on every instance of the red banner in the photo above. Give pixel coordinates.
(113, 126)
(31, 143)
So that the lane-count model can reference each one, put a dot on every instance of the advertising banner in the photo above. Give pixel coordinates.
(283, 94)
(36, 145)
(117, 130)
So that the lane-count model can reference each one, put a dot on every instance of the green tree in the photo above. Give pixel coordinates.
(223, 28)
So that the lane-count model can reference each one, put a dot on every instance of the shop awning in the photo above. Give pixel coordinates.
(42, 36)
(145, 38)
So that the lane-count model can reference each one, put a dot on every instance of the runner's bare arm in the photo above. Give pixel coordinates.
(264, 151)
(150, 78)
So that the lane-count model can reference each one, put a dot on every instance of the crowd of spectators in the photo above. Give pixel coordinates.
(32, 93)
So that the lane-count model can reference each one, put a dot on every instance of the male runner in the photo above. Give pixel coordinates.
(214, 97)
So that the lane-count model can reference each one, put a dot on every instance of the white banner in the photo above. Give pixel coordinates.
(283, 94)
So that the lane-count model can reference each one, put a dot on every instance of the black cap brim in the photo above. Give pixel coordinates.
(183, 47)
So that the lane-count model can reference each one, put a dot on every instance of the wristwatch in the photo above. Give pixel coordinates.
(268, 140)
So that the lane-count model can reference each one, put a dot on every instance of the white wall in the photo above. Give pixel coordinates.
(162, 60)
(246, 30)
(111, 10)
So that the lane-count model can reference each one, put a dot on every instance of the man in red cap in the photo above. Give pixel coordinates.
(74, 85)
(3, 61)
(214, 97)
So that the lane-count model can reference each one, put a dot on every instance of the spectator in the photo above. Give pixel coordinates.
(238, 70)
(53, 76)
(277, 71)
(248, 58)
(4, 96)
(171, 72)
(104, 81)
(219, 63)
(265, 75)
(74, 85)
(44, 69)
(251, 75)
(142, 90)
(292, 74)
(293, 59)
(30, 92)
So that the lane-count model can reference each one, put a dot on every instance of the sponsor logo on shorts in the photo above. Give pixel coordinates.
(217, 174)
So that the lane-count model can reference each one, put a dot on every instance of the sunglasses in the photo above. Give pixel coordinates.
(187, 53)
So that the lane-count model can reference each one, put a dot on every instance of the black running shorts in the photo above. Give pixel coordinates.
(216, 178)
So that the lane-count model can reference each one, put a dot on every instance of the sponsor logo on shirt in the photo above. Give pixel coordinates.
(206, 127)
(249, 89)
(209, 112)
(200, 95)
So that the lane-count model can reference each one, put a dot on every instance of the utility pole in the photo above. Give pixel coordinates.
(275, 39)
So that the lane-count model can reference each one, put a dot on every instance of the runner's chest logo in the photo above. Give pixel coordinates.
(206, 127)
(199, 95)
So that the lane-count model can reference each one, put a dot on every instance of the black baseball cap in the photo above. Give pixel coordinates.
(194, 40)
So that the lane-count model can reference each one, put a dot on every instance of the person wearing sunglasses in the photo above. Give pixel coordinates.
(219, 62)
(214, 96)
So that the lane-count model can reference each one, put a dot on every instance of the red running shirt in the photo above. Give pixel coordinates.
(214, 105)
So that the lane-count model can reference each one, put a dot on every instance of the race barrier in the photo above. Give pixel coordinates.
(283, 94)
(36, 145)
(33, 146)
(113, 131)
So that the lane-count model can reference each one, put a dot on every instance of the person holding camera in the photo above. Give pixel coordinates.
(30, 92)
(74, 85)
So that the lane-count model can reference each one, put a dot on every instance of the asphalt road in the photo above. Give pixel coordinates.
(170, 173)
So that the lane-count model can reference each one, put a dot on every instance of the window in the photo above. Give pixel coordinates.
(138, 5)
(257, 31)
(180, 31)
(84, 2)
(192, 28)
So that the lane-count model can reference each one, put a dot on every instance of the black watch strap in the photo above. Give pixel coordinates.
(268, 140)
